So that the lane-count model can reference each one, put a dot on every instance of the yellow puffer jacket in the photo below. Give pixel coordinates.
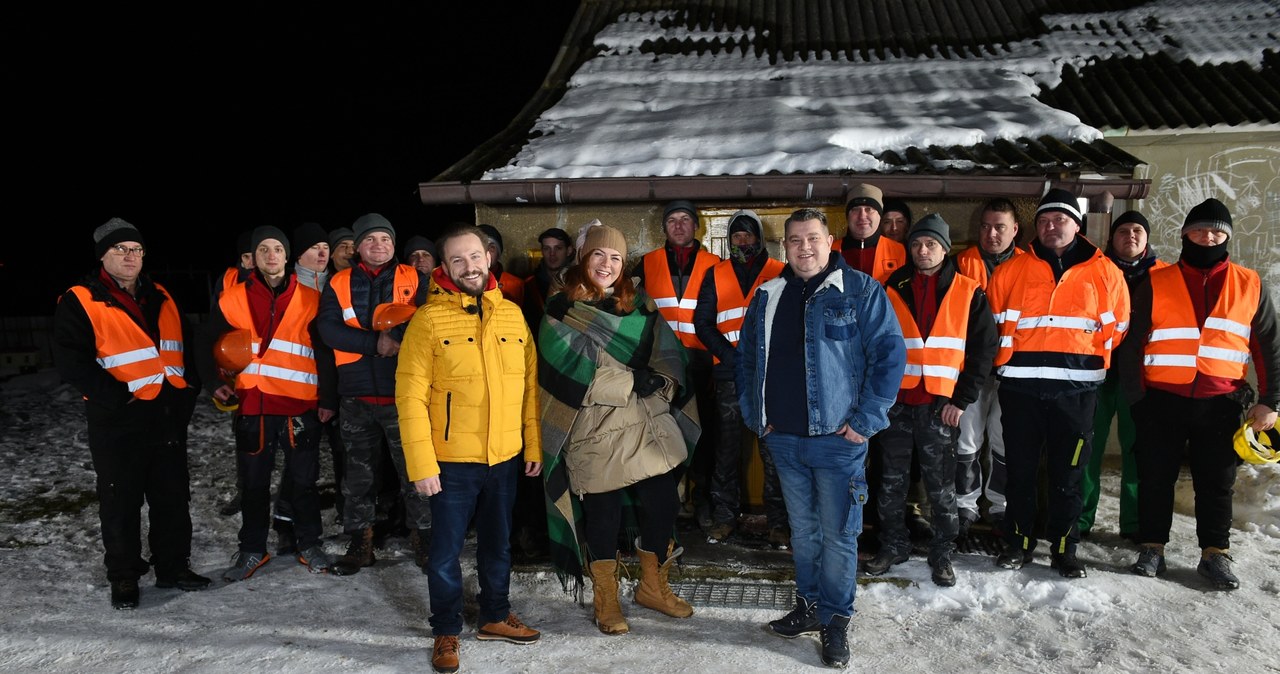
(467, 383)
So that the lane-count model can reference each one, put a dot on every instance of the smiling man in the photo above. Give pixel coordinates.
(863, 246)
(819, 364)
(467, 395)
(1060, 309)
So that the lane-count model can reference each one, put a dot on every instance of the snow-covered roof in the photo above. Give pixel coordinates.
(721, 90)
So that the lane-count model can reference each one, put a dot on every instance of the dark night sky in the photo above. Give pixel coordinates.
(196, 127)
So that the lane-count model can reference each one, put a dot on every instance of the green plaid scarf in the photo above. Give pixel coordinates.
(569, 340)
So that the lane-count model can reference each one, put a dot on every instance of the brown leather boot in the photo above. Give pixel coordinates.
(359, 554)
(604, 596)
(653, 591)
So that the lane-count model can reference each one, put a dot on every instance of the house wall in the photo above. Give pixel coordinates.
(1240, 169)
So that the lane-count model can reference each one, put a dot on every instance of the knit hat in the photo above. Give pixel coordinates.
(307, 235)
(416, 243)
(863, 194)
(1062, 201)
(493, 233)
(339, 235)
(892, 204)
(370, 223)
(748, 221)
(932, 225)
(1209, 213)
(604, 236)
(679, 205)
(265, 232)
(244, 242)
(1126, 218)
(112, 232)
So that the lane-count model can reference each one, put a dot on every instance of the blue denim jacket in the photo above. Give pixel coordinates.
(853, 350)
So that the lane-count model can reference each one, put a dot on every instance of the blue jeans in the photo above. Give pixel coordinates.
(488, 493)
(824, 484)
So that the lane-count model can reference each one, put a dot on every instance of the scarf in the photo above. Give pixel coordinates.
(569, 341)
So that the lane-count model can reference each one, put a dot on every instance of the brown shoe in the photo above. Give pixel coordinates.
(509, 630)
(359, 554)
(444, 655)
(654, 591)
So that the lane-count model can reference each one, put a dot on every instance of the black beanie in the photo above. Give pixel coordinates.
(1060, 200)
(244, 242)
(679, 205)
(339, 235)
(932, 225)
(416, 243)
(1126, 218)
(112, 232)
(891, 204)
(493, 233)
(307, 235)
(1209, 213)
(265, 232)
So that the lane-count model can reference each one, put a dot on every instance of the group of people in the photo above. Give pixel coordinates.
(584, 391)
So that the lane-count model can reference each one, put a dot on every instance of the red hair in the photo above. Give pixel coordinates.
(578, 287)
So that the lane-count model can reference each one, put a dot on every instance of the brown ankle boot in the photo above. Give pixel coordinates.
(359, 554)
(653, 591)
(604, 596)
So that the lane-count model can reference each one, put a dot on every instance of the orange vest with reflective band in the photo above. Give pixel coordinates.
(1178, 348)
(969, 262)
(287, 367)
(404, 290)
(1081, 315)
(126, 351)
(677, 310)
(939, 358)
(889, 256)
(731, 306)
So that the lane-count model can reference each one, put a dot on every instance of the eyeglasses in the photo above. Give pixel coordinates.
(126, 252)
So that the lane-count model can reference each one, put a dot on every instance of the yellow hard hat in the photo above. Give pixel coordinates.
(1258, 448)
(387, 316)
(234, 350)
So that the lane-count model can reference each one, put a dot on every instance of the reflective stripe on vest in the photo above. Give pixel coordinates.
(939, 358)
(677, 310)
(1177, 348)
(731, 306)
(404, 291)
(287, 367)
(889, 256)
(126, 351)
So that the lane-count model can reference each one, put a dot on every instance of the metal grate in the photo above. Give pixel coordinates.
(737, 595)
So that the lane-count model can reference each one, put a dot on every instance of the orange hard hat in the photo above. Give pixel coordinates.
(234, 350)
(387, 316)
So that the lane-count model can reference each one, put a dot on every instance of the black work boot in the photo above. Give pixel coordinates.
(835, 642)
(1067, 564)
(124, 595)
(802, 619)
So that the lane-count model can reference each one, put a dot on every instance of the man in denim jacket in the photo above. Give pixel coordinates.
(819, 364)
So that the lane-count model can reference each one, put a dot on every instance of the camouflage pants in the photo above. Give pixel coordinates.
(918, 429)
(364, 427)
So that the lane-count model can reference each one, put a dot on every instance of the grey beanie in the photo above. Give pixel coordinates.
(265, 232)
(339, 235)
(679, 205)
(369, 223)
(932, 225)
(112, 232)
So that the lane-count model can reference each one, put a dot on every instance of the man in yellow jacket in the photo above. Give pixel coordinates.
(467, 396)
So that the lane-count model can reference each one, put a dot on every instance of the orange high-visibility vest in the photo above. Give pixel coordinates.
(1178, 348)
(731, 306)
(126, 351)
(677, 310)
(404, 290)
(287, 367)
(939, 358)
(969, 262)
(889, 256)
(1085, 314)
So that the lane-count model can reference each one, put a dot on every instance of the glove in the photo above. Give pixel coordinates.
(645, 382)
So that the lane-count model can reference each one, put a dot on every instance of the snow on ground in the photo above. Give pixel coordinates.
(58, 617)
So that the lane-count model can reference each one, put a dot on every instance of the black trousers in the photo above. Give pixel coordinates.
(136, 466)
(1061, 429)
(257, 440)
(658, 500)
(1171, 428)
